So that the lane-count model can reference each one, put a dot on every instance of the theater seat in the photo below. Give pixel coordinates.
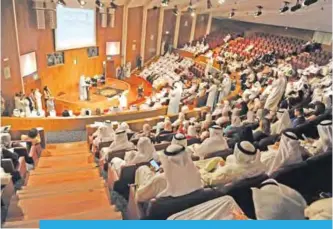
(162, 208)
(320, 173)
(295, 176)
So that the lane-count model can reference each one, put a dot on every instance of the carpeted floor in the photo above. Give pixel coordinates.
(65, 136)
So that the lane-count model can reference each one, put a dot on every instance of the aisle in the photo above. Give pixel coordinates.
(66, 184)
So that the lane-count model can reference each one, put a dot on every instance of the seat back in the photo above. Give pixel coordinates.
(320, 173)
(7, 165)
(127, 177)
(162, 208)
(296, 177)
(222, 153)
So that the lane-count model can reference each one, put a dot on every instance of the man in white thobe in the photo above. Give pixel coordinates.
(175, 97)
(83, 89)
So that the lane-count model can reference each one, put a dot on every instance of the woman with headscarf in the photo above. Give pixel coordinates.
(324, 143)
(282, 123)
(175, 160)
(215, 142)
(276, 92)
(103, 135)
(289, 152)
(275, 201)
(120, 143)
(144, 153)
(243, 163)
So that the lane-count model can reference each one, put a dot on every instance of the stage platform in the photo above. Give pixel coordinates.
(112, 87)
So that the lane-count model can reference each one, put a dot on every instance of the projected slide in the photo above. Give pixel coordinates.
(75, 28)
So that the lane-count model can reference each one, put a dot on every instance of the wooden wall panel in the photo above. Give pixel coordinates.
(169, 24)
(249, 28)
(184, 29)
(151, 33)
(62, 78)
(201, 26)
(134, 29)
(9, 55)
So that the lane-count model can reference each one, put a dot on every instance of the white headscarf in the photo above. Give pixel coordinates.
(179, 139)
(215, 142)
(243, 163)
(103, 135)
(181, 118)
(289, 152)
(235, 121)
(179, 171)
(218, 110)
(192, 131)
(124, 126)
(283, 122)
(145, 152)
(222, 208)
(5, 139)
(324, 143)
(276, 201)
(319, 210)
(121, 142)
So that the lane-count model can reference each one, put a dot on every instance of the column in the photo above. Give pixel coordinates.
(175, 40)
(160, 32)
(194, 22)
(209, 24)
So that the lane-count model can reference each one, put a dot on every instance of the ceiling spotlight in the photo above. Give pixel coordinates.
(81, 2)
(113, 5)
(232, 13)
(309, 2)
(165, 3)
(221, 2)
(285, 7)
(175, 10)
(296, 7)
(61, 2)
(209, 4)
(99, 3)
(259, 11)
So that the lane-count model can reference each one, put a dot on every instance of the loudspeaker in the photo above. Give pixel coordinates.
(51, 15)
(104, 17)
(40, 14)
(112, 17)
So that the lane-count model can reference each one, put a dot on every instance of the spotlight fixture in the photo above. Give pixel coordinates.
(81, 2)
(209, 4)
(193, 13)
(175, 10)
(113, 5)
(165, 3)
(232, 13)
(285, 7)
(99, 3)
(309, 2)
(259, 11)
(221, 2)
(61, 2)
(296, 7)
